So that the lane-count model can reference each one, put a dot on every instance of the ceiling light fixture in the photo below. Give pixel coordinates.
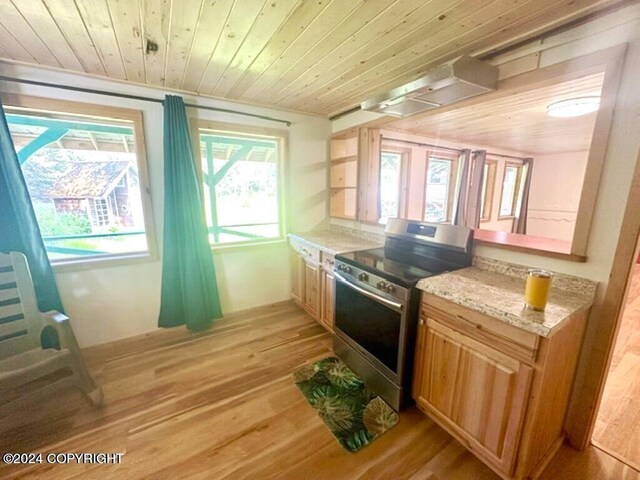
(573, 107)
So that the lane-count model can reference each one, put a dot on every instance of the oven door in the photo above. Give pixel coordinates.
(371, 324)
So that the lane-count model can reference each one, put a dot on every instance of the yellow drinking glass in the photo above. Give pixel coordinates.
(537, 289)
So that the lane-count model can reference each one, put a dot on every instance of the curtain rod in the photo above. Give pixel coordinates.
(138, 97)
(506, 156)
(419, 144)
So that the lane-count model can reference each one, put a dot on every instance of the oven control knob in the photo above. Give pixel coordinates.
(381, 285)
(341, 267)
(363, 277)
(346, 269)
(390, 288)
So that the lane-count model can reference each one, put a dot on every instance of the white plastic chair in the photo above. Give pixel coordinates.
(22, 360)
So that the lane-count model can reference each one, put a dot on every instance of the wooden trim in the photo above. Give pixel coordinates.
(90, 110)
(601, 336)
(489, 189)
(598, 149)
(238, 127)
(281, 136)
(545, 247)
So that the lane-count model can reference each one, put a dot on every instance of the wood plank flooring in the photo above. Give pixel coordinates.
(222, 405)
(617, 427)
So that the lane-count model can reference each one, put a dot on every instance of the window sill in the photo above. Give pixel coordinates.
(101, 262)
(506, 217)
(232, 247)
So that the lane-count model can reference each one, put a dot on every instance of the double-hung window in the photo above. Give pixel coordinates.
(390, 179)
(242, 179)
(85, 169)
(486, 195)
(439, 189)
(510, 189)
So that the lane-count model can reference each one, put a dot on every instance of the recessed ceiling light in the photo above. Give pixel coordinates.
(573, 107)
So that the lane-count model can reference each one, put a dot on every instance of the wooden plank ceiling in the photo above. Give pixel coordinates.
(516, 122)
(318, 56)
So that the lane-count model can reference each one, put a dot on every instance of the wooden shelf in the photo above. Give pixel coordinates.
(349, 158)
(343, 182)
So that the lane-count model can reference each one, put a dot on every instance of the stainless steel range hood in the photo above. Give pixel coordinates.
(456, 80)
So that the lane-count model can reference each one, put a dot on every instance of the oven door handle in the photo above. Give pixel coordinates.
(366, 293)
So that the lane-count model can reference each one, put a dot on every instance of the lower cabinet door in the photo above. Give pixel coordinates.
(328, 300)
(312, 289)
(297, 278)
(479, 394)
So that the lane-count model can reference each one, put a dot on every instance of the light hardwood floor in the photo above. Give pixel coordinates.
(618, 423)
(222, 405)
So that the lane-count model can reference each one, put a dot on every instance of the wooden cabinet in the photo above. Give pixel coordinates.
(343, 173)
(499, 390)
(327, 317)
(297, 277)
(474, 389)
(312, 289)
(354, 174)
(312, 282)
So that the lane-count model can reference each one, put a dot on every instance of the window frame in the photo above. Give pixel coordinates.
(228, 128)
(489, 183)
(516, 190)
(405, 155)
(454, 160)
(73, 109)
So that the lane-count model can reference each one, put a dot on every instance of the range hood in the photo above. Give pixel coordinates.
(456, 80)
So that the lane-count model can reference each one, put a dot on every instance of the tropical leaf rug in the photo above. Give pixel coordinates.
(355, 415)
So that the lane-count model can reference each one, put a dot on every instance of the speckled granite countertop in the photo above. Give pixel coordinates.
(497, 289)
(336, 241)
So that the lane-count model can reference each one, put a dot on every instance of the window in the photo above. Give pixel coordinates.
(390, 173)
(510, 188)
(242, 180)
(439, 190)
(75, 162)
(486, 196)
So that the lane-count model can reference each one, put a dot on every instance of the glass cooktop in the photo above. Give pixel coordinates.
(375, 261)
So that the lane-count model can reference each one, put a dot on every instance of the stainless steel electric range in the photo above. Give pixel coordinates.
(377, 304)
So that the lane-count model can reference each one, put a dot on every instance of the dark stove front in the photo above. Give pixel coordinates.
(372, 334)
(376, 319)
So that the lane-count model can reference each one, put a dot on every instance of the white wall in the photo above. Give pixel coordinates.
(556, 183)
(108, 303)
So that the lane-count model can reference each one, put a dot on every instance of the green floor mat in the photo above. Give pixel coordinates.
(354, 415)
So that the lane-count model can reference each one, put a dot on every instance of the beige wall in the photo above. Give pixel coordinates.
(556, 183)
(108, 303)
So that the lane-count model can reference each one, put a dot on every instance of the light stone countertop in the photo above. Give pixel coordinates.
(497, 289)
(335, 241)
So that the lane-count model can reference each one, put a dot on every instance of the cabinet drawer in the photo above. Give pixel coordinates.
(308, 252)
(498, 334)
(328, 261)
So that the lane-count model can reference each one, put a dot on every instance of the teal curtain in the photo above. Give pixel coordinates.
(189, 288)
(19, 230)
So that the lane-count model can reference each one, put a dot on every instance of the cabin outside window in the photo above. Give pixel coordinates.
(510, 188)
(242, 178)
(486, 196)
(86, 176)
(390, 177)
(439, 189)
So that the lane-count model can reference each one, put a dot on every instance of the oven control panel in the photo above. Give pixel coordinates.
(370, 281)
